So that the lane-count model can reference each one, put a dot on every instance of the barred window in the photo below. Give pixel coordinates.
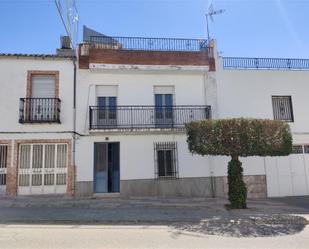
(166, 160)
(297, 149)
(283, 109)
(3, 164)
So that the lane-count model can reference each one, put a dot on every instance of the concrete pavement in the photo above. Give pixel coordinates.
(90, 237)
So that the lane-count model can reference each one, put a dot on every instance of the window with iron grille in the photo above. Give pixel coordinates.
(283, 109)
(3, 164)
(166, 160)
(297, 149)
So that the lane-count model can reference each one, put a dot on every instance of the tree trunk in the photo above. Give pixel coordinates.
(237, 189)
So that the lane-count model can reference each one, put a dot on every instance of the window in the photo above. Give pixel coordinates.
(107, 111)
(3, 165)
(282, 107)
(297, 149)
(166, 161)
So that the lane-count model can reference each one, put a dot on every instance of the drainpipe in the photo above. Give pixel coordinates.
(206, 79)
(74, 122)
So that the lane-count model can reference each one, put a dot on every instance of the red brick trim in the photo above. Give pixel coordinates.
(30, 74)
(12, 180)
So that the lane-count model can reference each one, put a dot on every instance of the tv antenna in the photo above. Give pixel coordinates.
(69, 18)
(209, 15)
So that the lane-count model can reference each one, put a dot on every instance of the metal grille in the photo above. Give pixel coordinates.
(147, 117)
(42, 168)
(265, 63)
(297, 149)
(3, 164)
(149, 44)
(282, 107)
(166, 160)
(306, 149)
(39, 110)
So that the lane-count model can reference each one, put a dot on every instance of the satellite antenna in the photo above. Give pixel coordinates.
(209, 15)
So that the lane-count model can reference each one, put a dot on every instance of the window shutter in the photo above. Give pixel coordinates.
(43, 87)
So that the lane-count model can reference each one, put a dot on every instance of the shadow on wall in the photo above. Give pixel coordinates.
(251, 226)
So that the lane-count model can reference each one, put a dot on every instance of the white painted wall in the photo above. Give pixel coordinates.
(137, 88)
(13, 82)
(247, 93)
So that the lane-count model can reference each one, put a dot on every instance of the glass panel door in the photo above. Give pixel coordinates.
(107, 111)
(164, 110)
(106, 168)
(100, 168)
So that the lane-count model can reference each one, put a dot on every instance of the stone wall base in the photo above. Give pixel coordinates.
(191, 187)
(83, 189)
(256, 186)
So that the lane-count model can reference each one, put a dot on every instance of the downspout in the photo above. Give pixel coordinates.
(206, 79)
(212, 180)
(74, 124)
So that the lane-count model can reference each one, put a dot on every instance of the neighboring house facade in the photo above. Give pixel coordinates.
(271, 89)
(36, 125)
(133, 99)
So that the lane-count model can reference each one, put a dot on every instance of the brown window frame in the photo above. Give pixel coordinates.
(30, 74)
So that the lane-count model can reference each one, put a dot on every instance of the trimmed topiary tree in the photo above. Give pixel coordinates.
(239, 137)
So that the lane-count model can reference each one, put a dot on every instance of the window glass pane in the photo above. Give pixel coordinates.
(169, 162)
(282, 107)
(37, 159)
(166, 159)
(112, 107)
(3, 156)
(25, 156)
(61, 155)
(161, 164)
(50, 156)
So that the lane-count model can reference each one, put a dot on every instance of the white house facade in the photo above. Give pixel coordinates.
(133, 99)
(36, 125)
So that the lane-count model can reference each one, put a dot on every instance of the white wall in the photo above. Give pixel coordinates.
(137, 88)
(247, 93)
(13, 82)
(137, 158)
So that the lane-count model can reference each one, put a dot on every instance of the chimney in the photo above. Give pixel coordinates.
(65, 42)
(65, 47)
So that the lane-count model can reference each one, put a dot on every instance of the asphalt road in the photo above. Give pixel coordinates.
(88, 237)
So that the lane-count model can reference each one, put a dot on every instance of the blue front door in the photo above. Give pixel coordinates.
(106, 168)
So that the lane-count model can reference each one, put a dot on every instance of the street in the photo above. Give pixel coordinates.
(84, 237)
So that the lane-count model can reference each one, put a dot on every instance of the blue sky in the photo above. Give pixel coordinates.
(252, 28)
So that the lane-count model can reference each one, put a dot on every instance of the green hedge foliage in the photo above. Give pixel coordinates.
(237, 188)
(239, 136)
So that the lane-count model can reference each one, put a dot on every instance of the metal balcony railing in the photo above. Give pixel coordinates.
(149, 44)
(39, 110)
(145, 117)
(265, 63)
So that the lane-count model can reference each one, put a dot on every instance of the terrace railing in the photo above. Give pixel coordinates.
(145, 117)
(265, 63)
(149, 44)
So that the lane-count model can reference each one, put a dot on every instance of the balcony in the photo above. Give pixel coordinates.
(145, 117)
(39, 110)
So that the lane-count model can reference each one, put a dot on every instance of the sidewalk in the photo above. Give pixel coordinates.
(264, 217)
